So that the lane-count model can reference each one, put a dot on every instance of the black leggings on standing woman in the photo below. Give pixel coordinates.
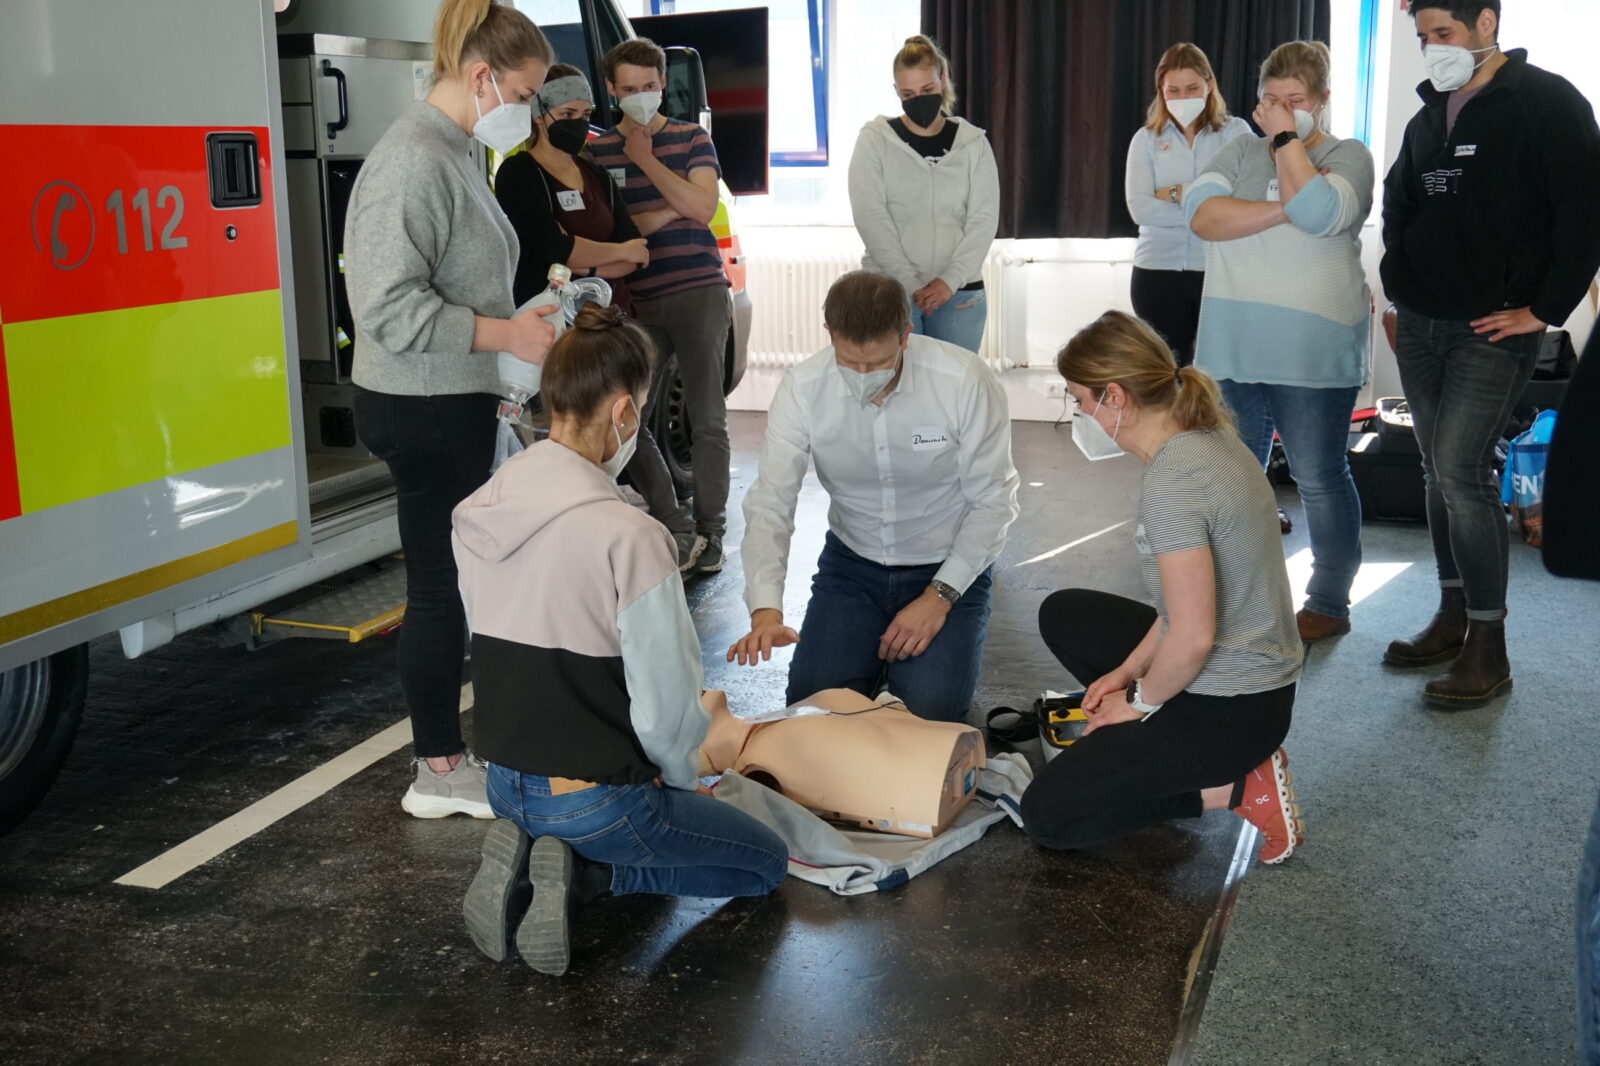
(1170, 301)
(439, 450)
(1123, 777)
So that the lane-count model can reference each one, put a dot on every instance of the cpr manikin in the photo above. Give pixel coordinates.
(852, 760)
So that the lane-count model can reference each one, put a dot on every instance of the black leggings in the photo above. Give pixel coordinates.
(1170, 301)
(439, 449)
(1123, 777)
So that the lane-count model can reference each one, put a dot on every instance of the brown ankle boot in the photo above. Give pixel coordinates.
(1440, 641)
(1480, 673)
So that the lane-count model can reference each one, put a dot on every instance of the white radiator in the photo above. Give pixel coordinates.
(790, 270)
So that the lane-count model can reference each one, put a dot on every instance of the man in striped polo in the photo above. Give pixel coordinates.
(668, 172)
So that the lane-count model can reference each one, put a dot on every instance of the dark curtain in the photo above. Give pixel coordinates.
(1061, 86)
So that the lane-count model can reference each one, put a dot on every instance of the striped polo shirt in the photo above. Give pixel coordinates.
(1204, 489)
(683, 253)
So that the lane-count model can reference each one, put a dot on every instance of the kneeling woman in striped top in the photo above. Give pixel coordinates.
(586, 673)
(1188, 700)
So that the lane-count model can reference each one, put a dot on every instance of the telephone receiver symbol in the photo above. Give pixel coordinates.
(58, 248)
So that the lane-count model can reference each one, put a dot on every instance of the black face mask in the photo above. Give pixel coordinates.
(923, 109)
(569, 134)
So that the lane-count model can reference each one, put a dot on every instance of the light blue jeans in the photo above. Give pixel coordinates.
(1314, 425)
(960, 321)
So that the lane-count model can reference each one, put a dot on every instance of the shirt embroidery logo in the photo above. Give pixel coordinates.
(1441, 182)
(1164, 146)
(930, 439)
(1466, 149)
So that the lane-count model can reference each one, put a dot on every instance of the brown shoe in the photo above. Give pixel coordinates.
(1480, 673)
(1440, 641)
(1314, 626)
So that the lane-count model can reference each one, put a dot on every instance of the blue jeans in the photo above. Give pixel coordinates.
(660, 840)
(1461, 390)
(1588, 930)
(853, 600)
(960, 321)
(1314, 425)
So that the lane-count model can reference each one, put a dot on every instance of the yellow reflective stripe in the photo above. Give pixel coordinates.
(113, 399)
(720, 227)
(78, 604)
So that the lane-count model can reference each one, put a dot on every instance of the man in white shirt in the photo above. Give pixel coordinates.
(911, 438)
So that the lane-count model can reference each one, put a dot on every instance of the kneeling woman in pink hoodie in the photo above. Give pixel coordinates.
(586, 674)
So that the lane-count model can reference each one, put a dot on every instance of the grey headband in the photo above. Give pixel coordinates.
(552, 94)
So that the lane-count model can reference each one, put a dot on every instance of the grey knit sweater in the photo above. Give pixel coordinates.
(427, 249)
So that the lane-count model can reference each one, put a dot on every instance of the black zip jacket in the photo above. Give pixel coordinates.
(1504, 212)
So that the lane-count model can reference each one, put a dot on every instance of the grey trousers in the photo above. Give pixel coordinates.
(694, 325)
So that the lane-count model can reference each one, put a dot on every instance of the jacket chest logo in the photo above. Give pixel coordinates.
(1441, 182)
(1466, 149)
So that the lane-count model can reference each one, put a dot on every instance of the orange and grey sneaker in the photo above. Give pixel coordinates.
(1268, 804)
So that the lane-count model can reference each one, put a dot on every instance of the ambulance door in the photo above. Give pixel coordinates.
(150, 450)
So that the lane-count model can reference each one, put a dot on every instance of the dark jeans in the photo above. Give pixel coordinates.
(1170, 301)
(438, 449)
(694, 326)
(853, 600)
(661, 840)
(1314, 425)
(1588, 930)
(1461, 389)
(1123, 777)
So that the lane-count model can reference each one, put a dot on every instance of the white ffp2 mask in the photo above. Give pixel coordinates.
(641, 107)
(1186, 111)
(1091, 437)
(625, 449)
(505, 126)
(1450, 66)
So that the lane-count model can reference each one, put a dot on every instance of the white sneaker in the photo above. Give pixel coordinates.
(463, 790)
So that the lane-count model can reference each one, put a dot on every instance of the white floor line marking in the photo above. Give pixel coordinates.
(228, 833)
(1081, 540)
(1369, 579)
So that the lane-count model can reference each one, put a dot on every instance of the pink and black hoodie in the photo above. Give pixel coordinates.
(585, 662)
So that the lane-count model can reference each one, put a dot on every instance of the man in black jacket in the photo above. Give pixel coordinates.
(1491, 232)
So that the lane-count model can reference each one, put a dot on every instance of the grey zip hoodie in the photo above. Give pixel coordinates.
(923, 219)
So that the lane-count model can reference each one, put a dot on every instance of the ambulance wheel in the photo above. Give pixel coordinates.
(670, 426)
(41, 704)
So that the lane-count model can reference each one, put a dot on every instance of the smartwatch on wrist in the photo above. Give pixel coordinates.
(1136, 699)
(947, 593)
(1284, 138)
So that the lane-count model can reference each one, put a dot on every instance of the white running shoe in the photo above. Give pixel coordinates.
(463, 790)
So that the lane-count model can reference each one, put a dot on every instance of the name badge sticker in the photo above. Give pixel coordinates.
(1466, 149)
(570, 200)
(618, 174)
(1272, 191)
(930, 439)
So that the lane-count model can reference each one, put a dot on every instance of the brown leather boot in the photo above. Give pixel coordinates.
(1314, 626)
(1440, 641)
(1480, 673)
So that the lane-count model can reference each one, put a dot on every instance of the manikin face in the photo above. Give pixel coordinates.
(880, 354)
(1435, 25)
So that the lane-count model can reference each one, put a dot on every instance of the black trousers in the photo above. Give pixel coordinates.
(439, 449)
(1170, 301)
(1123, 777)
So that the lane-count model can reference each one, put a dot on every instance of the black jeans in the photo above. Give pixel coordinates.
(1123, 777)
(438, 449)
(1461, 388)
(1170, 301)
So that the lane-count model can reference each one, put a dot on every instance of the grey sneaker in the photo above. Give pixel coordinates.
(710, 558)
(544, 938)
(690, 545)
(463, 790)
(500, 891)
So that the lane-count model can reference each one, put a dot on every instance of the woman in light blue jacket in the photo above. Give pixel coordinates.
(925, 196)
(1187, 124)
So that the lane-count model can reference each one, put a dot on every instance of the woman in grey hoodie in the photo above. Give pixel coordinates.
(925, 196)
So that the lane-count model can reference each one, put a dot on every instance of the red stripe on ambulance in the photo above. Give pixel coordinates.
(103, 218)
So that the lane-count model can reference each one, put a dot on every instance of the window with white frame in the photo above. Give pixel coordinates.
(1351, 47)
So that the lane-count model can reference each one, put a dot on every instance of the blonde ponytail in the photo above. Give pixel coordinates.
(920, 51)
(1120, 348)
(466, 31)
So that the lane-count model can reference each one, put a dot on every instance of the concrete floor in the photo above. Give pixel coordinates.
(1426, 922)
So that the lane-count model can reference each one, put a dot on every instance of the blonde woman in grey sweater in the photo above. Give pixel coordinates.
(925, 196)
(430, 259)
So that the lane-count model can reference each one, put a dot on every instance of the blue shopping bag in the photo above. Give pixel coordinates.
(1522, 484)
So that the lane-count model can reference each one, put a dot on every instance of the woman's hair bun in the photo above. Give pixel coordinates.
(593, 316)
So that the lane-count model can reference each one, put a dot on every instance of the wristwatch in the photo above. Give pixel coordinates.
(1284, 138)
(1174, 193)
(1136, 699)
(947, 593)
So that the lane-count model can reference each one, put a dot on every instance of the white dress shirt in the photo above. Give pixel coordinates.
(925, 477)
(1156, 160)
